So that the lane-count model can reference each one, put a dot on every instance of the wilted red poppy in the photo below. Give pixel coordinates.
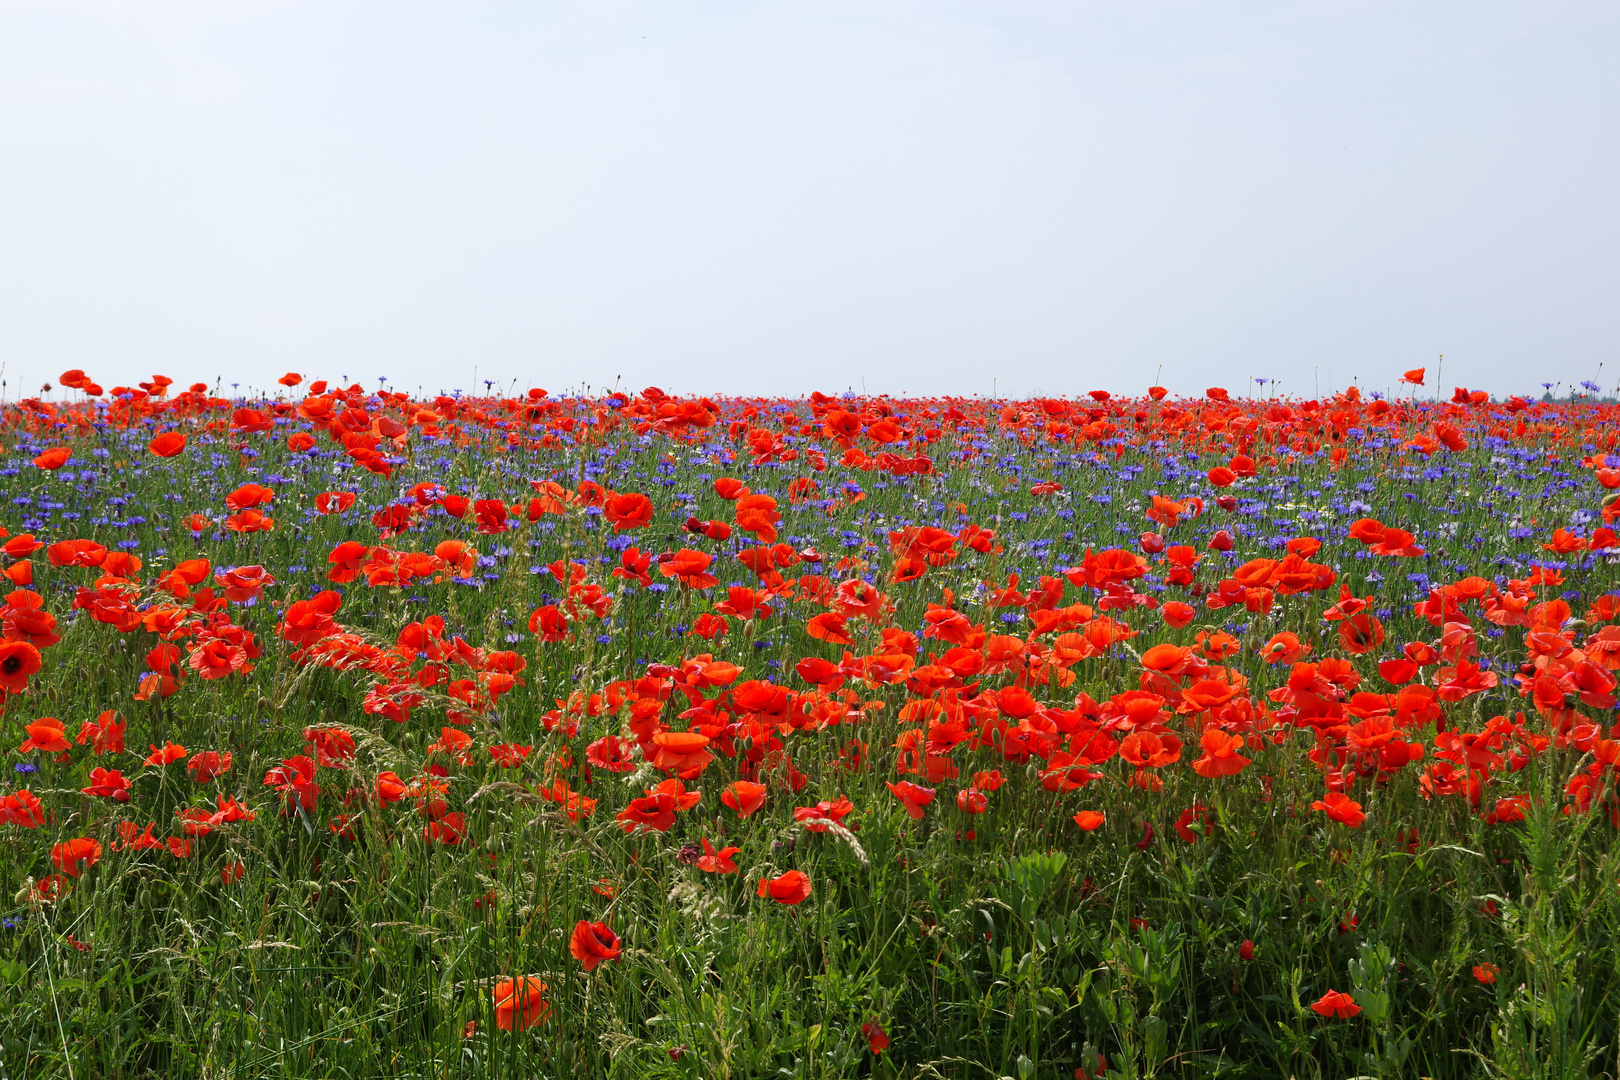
(592, 943)
(790, 888)
(520, 1003)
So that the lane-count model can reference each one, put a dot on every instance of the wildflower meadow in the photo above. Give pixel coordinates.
(356, 733)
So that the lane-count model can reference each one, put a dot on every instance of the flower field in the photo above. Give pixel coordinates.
(355, 734)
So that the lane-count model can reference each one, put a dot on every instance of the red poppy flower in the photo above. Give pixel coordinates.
(681, 752)
(757, 514)
(1341, 808)
(244, 583)
(816, 818)
(912, 797)
(45, 734)
(74, 857)
(520, 1003)
(1089, 820)
(53, 458)
(491, 516)
(877, 1040)
(611, 753)
(109, 784)
(628, 511)
(689, 567)
(334, 502)
(717, 862)
(1177, 614)
(76, 553)
(790, 888)
(1361, 633)
(1194, 814)
(170, 752)
(248, 496)
(1220, 757)
(592, 943)
(743, 796)
(549, 623)
(21, 808)
(658, 808)
(21, 544)
(829, 627)
(168, 444)
(1335, 1003)
(208, 765)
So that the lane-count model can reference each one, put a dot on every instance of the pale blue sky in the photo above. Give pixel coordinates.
(786, 197)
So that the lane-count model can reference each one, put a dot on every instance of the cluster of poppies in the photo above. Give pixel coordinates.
(796, 593)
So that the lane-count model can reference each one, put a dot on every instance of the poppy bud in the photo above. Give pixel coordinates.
(1152, 543)
(1246, 950)
(1221, 541)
